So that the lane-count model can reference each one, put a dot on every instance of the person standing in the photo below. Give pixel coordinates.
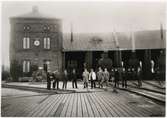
(74, 78)
(124, 78)
(85, 78)
(65, 79)
(139, 73)
(56, 79)
(129, 74)
(100, 76)
(152, 70)
(106, 76)
(44, 76)
(116, 78)
(48, 80)
(92, 78)
(112, 75)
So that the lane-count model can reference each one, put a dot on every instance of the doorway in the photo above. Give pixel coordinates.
(75, 60)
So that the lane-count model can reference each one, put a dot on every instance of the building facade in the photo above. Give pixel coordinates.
(89, 48)
(36, 41)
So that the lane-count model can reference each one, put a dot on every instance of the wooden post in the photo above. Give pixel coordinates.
(118, 58)
(88, 59)
(147, 64)
(63, 61)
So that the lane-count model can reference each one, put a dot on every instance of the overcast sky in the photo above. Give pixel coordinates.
(88, 17)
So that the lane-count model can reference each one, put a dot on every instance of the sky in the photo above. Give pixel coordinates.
(88, 17)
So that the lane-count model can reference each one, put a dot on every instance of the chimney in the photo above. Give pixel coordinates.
(34, 9)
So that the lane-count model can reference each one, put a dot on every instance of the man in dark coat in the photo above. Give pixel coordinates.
(112, 75)
(139, 77)
(124, 78)
(116, 78)
(74, 78)
(65, 79)
(49, 77)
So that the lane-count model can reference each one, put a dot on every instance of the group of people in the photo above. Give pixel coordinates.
(100, 77)
(116, 76)
(54, 78)
(96, 79)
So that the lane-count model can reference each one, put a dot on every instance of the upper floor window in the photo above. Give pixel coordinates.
(46, 28)
(26, 43)
(26, 27)
(26, 66)
(47, 43)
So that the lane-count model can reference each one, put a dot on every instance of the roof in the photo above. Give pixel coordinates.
(34, 14)
(105, 41)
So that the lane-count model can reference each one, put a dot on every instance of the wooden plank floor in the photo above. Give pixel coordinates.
(96, 104)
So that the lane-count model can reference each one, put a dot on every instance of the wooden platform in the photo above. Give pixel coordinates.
(102, 104)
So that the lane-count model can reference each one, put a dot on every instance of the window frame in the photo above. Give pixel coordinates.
(47, 43)
(26, 64)
(26, 43)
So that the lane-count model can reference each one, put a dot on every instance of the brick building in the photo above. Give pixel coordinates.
(36, 39)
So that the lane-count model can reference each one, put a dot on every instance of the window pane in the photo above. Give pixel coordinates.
(28, 66)
(48, 43)
(44, 42)
(24, 65)
(28, 42)
(24, 43)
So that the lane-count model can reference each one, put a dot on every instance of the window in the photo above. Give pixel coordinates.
(26, 66)
(26, 43)
(26, 27)
(46, 28)
(46, 43)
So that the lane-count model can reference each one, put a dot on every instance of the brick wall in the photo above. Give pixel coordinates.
(37, 30)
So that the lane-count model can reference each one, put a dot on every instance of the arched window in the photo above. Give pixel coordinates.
(26, 27)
